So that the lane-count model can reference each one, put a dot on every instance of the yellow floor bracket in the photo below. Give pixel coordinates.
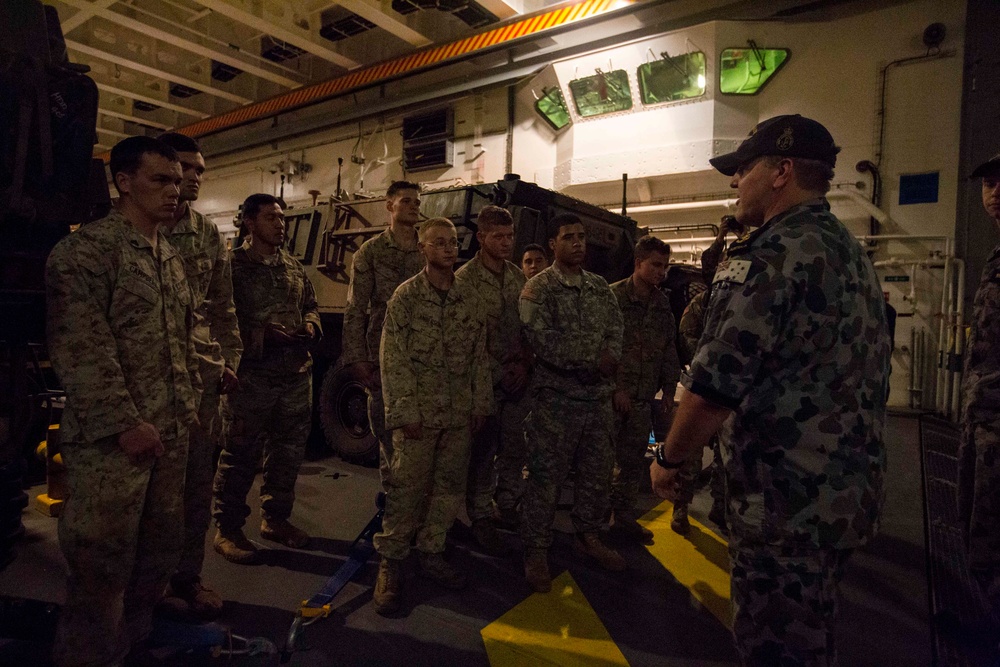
(48, 506)
(555, 628)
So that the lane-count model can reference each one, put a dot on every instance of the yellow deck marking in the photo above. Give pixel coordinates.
(557, 628)
(699, 561)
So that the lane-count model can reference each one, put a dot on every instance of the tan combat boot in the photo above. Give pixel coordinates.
(282, 532)
(190, 601)
(388, 586)
(679, 523)
(536, 570)
(440, 571)
(589, 544)
(235, 547)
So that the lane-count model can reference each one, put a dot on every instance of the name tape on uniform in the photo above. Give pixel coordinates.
(733, 271)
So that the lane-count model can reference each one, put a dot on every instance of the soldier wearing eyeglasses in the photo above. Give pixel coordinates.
(438, 389)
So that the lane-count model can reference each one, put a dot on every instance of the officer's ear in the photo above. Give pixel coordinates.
(552, 245)
(123, 182)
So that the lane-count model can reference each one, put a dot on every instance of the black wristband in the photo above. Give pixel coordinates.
(664, 463)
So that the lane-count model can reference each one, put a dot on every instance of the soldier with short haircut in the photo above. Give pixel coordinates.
(649, 365)
(271, 411)
(796, 347)
(533, 260)
(438, 391)
(979, 455)
(379, 267)
(497, 284)
(119, 336)
(218, 345)
(573, 326)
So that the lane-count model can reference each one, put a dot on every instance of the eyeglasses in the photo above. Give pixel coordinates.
(441, 244)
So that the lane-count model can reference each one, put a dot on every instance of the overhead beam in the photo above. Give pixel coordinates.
(372, 11)
(132, 119)
(84, 14)
(114, 133)
(282, 30)
(187, 45)
(151, 100)
(152, 71)
(500, 8)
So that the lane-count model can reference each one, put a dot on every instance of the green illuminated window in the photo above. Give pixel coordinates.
(672, 79)
(552, 107)
(605, 92)
(745, 71)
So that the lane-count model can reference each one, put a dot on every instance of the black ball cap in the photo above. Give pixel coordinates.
(785, 136)
(989, 168)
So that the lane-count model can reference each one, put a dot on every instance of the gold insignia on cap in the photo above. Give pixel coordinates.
(786, 140)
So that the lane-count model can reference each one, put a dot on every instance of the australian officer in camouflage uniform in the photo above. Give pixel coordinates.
(573, 326)
(497, 284)
(271, 411)
(649, 365)
(438, 390)
(796, 345)
(378, 268)
(218, 345)
(119, 334)
(979, 457)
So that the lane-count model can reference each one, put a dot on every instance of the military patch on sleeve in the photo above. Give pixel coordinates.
(733, 271)
(530, 293)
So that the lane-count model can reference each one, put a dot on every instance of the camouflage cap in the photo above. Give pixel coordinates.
(988, 168)
(786, 136)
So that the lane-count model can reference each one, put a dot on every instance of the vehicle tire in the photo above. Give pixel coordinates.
(343, 412)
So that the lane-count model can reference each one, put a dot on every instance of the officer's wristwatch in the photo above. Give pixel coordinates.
(662, 461)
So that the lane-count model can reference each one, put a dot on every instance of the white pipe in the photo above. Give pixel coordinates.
(679, 206)
(958, 325)
(859, 199)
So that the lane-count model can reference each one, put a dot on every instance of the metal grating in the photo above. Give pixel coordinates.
(182, 91)
(139, 105)
(277, 51)
(963, 634)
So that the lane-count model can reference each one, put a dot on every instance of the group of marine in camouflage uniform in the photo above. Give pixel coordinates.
(790, 367)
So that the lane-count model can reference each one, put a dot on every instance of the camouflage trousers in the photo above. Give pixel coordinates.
(560, 431)
(785, 602)
(427, 484)
(497, 461)
(269, 414)
(631, 442)
(120, 532)
(376, 419)
(979, 493)
(205, 436)
(687, 477)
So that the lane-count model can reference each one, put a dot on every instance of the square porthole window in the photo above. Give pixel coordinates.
(603, 93)
(745, 71)
(672, 79)
(551, 106)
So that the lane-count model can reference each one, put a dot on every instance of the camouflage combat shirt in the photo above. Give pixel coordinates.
(119, 332)
(692, 324)
(649, 354)
(206, 263)
(435, 368)
(497, 296)
(566, 327)
(378, 268)
(796, 343)
(981, 380)
(272, 289)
